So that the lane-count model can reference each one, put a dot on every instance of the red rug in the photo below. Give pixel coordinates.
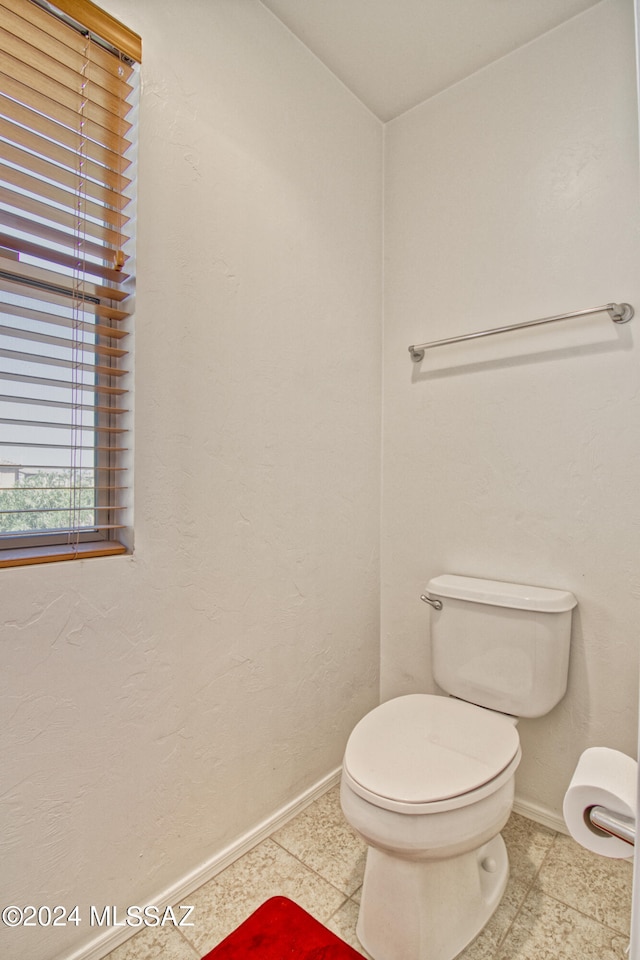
(281, 930)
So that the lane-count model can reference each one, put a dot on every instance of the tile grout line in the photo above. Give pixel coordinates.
(347, 896)
(570, 906)
(196, 953)
(530, 888)
(524, 899)
(506, 933)
(587, 916)
(345, 901)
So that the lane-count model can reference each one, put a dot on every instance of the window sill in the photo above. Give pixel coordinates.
(25, 556)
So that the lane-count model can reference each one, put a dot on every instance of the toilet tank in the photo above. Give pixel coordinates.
(500, 645)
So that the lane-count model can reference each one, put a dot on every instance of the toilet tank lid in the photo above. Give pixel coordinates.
(497, 593)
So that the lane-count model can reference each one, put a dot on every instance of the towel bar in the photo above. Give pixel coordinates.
(619, 313)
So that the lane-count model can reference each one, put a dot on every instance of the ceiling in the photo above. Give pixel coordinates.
(393, 54)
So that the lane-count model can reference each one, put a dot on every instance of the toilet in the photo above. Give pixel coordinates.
(428, 780)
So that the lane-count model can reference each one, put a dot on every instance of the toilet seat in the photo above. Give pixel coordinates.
(425, 754)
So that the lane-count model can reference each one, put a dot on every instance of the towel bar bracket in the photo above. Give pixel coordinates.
(620, 312)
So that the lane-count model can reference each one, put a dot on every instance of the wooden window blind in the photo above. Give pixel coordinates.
(68, 88)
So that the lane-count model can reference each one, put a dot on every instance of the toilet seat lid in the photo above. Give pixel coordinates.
(422, 748)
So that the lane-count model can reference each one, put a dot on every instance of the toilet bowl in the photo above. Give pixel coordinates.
(428, 783)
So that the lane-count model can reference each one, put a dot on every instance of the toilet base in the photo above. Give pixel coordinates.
(429, 909)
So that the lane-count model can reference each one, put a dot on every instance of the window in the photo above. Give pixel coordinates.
(68, 87)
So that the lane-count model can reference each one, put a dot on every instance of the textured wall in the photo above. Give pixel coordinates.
(511, 196)
(156, 707)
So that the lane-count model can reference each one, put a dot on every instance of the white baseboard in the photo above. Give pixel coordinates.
(178, 891)
(540, 815)
(108, 941)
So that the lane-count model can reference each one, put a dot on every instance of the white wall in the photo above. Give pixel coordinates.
(156, 707)
(512, 196)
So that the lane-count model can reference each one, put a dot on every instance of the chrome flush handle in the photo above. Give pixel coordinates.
(436, 604)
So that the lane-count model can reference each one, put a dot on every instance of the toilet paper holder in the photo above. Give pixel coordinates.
(614, 824)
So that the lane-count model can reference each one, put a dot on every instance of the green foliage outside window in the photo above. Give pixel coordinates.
(49, 502)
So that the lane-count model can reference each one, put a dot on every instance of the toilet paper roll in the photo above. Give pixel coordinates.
(602, 777)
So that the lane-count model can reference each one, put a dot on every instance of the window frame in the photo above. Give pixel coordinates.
(103, 539)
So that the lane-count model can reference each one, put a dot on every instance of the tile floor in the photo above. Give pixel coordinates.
(562, 902)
